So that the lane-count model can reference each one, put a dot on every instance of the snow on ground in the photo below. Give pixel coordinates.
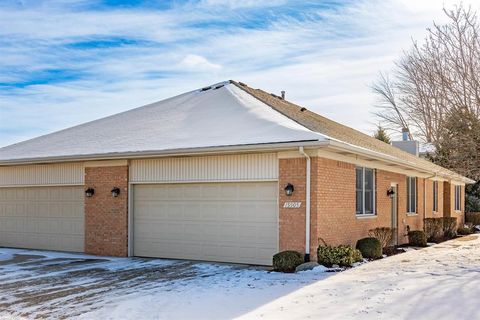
(438, 282)
(61, 285)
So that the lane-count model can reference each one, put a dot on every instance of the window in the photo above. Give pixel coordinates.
(365, 191)
(435, 196)
(411, 195)
(458, 195)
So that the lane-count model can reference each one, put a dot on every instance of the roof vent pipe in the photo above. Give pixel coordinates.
(405, 134)
(283, 94)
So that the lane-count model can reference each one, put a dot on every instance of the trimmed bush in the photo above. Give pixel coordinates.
(433, 229)
(370, 248)
(287, 261)
(449, 227)
(467, 229)
(464, 231)
(344, 256)
(383, 234)
(417, 238)
(473, 218)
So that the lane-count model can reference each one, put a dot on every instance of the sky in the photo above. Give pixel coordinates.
(66, 62)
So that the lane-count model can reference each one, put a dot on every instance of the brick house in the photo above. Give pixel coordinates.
(226, 173)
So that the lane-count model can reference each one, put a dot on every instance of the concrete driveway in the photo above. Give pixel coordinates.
(42, 284)
(439, 282)
(36, 285)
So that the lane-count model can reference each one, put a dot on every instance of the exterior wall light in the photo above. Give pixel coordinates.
(289, 189)
(89, 192)
(390, 192)
(115, 192)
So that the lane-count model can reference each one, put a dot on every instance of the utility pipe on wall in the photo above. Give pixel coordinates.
(307, 206)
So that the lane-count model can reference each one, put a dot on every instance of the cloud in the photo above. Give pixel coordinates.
(193, 62)
(67, 62)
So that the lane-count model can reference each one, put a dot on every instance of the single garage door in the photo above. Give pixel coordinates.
(228, 222)
(48, 218)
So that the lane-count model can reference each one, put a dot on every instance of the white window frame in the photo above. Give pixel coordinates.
(374, 191)
(409, 185)
(435, 196)
(458, 198)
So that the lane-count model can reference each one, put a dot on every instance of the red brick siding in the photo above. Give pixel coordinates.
(333, 215)
(106, 217)
(292, 221)
(429, 204)
(449, 205)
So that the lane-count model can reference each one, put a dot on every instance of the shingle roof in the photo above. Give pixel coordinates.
(330, 128)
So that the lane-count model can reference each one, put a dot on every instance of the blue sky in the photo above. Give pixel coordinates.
(66, 62)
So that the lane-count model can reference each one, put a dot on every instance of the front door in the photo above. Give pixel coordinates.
(394, 211)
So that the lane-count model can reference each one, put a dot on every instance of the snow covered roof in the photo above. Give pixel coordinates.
(227, 114)
(223, 115)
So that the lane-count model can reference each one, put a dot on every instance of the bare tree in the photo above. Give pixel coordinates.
(434, 79)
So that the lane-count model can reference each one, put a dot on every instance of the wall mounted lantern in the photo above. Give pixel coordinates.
(289, 189)
(390, 192)
(115, 192)
(89, 192)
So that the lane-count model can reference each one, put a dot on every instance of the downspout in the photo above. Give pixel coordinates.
(307, 206)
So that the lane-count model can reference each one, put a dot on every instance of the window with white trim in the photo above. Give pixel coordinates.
(458, 196)
(365, 190)
(435, 196)
(411, 194)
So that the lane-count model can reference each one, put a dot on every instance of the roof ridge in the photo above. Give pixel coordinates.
(241, 85)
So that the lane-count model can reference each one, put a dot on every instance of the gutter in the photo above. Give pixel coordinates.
(275, 146)
(307, 205)
(336, 144)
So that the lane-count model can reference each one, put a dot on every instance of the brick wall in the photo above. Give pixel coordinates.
(449, 204)
(292, 221)
(106, 217)
(333, 217)
(429, 202)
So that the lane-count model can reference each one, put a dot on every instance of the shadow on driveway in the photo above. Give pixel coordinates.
(37, 286)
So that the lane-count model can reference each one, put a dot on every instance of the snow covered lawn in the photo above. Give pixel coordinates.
(439, 282)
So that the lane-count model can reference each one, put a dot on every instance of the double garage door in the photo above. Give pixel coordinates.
(48, 218)
(227, 222)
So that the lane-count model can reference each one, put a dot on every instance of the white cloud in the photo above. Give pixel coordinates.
(193, 62)
(324, 58)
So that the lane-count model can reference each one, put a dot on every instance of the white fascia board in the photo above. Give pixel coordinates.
(266, 147)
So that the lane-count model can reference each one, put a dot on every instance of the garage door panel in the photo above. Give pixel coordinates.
(231, 222)
(50, 218)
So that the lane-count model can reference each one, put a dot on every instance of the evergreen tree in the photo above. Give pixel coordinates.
(381, 135)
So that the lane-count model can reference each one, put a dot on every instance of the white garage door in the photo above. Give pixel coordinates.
(229, 222)
(48, 218)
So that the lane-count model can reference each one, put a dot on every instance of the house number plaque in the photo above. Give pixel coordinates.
(292, 204)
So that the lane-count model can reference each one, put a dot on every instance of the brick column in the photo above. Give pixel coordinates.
(447, 199)
(292, 220)
(106, 217)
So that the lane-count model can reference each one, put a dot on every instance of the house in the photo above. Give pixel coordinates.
(225, 173)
